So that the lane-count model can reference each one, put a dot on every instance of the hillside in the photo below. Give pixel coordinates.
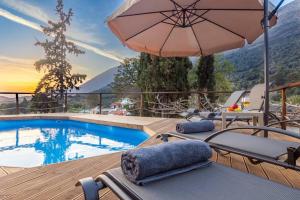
(285, 52)
(98, 82)
(4, 99)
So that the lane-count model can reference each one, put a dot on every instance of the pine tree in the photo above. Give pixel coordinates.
(163, 74)
(58, 78)
(206, 75)
(157, 74)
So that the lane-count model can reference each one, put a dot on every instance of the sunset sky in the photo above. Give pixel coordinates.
(20, 22)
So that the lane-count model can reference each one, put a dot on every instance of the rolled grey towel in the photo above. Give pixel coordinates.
(139, 164)
(195, 127)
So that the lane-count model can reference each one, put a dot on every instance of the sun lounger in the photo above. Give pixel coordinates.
(256, 97)
(212, 181)
(233, 99)
(257, 149)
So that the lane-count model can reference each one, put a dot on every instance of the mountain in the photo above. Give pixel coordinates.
(284, 50)
(4, 99)
(98, 82)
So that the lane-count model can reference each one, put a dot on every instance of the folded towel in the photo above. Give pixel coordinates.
(171, 173)
(195, 127)
(140, 164)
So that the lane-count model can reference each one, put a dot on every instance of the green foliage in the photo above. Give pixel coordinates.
(214, 78)
(58, 77)
(8, 108)
(151, 74)
(294, 100)
(205, 73)
(285, 68)
(25, 106)
(163, 74)
(284, 75)
(92, 100)
(223, 71)
(126, 77)
(43, 103)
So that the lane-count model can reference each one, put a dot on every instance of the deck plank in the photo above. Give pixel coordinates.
(224, 160)
(237, 162)
(274, 174)
(255, 169)
(2, 172)
(292, 176)
(11, 170)
(58, 181)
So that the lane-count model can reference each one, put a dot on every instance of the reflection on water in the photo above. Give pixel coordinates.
(41, 142)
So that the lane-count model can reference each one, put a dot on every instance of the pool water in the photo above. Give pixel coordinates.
(29, 143)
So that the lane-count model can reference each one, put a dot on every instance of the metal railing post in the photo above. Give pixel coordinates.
(141, 105)
(66, 103)
(283, 109)
(17, 104)
(100, 103)
(199, 100)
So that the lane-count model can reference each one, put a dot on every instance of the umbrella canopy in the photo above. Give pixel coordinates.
(188, 27)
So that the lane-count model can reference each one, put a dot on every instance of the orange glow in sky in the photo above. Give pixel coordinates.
(18, 75)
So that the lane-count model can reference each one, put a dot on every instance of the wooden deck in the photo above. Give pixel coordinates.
(57, 181)
(8, 170)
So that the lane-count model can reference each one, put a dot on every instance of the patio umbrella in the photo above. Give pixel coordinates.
(188, 27)
(191, 27)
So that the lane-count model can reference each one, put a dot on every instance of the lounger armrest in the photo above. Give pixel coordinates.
(260, 128)
(90, 188)
(295, 121)
(165, 136)
(285, 121)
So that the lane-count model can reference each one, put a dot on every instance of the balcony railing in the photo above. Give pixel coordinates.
(141, 105)
(283, 90)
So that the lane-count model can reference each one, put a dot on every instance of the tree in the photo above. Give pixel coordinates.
(219, 75)
(223, 73)
(163, 74)
(157, 74)
(58, 77)
(24, 106)
(206, 75)
(154, 74)
(126, 77)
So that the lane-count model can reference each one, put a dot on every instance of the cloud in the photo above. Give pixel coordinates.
(21, 67)
(16, 60)
(8, 64)
(35, 26)
(27, 9)
(17, 19)
(84, 32)
(98, 51)
(76, 31)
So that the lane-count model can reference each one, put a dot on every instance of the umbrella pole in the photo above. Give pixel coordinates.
(266, 63)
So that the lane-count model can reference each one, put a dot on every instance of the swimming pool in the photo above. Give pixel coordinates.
(30, 143)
